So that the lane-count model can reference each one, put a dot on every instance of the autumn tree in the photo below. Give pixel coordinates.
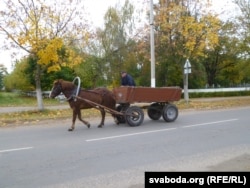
(182, 31)
(42, 28)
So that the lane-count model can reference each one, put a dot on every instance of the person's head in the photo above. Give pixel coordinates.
(123, 73)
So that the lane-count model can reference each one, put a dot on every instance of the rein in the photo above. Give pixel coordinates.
(77, 97)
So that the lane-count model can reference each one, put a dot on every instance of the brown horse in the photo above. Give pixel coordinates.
(101, 96)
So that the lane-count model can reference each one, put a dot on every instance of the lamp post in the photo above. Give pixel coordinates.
(152, 47)
(187, 70)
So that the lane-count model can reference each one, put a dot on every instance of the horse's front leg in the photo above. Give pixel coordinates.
(73, 120)
(80, 118)
(103, 113)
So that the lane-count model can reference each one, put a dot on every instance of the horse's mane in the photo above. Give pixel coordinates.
(66, 84)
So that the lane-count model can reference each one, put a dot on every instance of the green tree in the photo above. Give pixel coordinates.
(47, 78)
(221, 63)
(243, 31)
(243, 24)
(116, 42)
(90, 72)
(3, 73)
(17, 79)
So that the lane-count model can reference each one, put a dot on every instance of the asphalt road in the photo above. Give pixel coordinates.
(47, 155)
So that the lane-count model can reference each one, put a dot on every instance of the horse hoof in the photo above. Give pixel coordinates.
(88, 125)
(99, 126)
(70, 129)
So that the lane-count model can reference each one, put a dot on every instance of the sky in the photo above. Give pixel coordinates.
(97, 9)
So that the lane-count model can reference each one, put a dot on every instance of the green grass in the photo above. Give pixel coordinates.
(15, 99)
(33, 116)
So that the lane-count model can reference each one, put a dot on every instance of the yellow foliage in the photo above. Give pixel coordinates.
(49, 54)
(73, 58)
(178, 28)
(54, 68)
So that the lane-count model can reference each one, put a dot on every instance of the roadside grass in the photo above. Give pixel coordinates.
(216, 103)
(31, 117)
(15, 99)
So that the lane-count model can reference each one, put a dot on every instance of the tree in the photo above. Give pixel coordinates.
(90, 72)
(42, 29)
(221, 62)
(18, 78)
(228, 63)
(243, 25)
(243, 30)
(3, 73)
(116, 41)
(47, 78)
(182, 31)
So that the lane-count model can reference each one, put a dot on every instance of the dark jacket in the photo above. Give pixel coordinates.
(128, 81)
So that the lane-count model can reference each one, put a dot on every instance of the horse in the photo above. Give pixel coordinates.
(100, 96)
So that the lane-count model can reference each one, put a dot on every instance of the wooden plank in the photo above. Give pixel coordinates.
(130, 94)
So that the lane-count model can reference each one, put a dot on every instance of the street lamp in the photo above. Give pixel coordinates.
(187, 70)
(152, 47)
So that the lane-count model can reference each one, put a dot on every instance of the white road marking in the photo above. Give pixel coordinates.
(209, 123)
(161, 130)
(16, 149)
(133, 134)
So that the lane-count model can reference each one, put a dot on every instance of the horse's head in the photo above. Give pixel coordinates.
(57, 89)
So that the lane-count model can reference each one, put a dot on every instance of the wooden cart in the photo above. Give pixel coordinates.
(161, 100)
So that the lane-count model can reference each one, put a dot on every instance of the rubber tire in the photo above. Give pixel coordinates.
(155, 111)
(170, 113)
(121, 108)
(137, 120)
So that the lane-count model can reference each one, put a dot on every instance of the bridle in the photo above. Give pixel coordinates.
(56, 89)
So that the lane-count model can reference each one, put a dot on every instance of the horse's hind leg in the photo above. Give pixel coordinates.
(80, 118)
(103, 118)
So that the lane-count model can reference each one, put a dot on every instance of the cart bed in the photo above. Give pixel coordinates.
(130, 94)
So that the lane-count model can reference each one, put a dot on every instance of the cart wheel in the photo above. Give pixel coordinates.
(134, 116)
(170, 112)
(121, 108)
(155, 111)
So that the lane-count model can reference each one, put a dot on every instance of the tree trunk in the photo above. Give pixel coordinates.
(38, 88)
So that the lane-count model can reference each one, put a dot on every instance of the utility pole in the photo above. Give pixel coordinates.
(152, 47)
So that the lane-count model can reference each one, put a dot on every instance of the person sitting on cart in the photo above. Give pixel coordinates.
(127, 79)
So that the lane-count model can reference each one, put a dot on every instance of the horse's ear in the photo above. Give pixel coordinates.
(60, 80)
